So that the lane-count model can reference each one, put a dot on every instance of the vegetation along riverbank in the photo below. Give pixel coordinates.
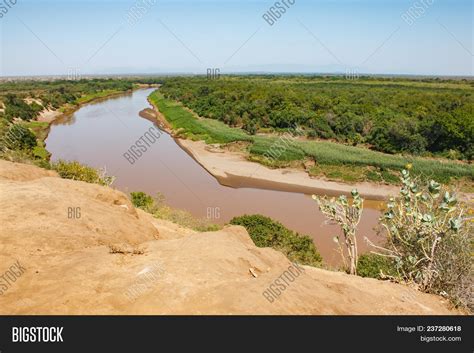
(344, 155)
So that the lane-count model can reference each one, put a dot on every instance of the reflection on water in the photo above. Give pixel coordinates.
(99, 134)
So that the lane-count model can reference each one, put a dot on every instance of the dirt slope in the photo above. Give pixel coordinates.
(118, 260)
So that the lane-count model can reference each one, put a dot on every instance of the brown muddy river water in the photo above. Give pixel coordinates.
(99, 134)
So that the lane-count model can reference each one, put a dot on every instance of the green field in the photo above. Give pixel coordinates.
(189, 126)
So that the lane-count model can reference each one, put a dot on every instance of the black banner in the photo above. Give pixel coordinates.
(316, 333)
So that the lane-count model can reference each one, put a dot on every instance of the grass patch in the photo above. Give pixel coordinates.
(41, 152)
(342, 172)
(274, 148)
(34, 125)
(158, 209)
(375, 266)
(373, 176)
(102, 94)
(185, 219)
(330, 153)
(188, 126)
(273, 163)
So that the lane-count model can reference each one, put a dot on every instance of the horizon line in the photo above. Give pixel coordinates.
(236, 73)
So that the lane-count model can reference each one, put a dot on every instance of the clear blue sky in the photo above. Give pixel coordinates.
(368, 36)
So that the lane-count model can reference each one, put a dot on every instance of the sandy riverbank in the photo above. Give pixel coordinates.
(232, 169)
(48, 116)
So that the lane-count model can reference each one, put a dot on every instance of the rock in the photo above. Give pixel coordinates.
(252, 272)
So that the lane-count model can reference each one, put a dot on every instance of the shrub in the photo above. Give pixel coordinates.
(142, 200)
(430, 240)
(266, 232)
(18, 137)
(375, 266)
(76, 171)
(16, 107)
(348, 215)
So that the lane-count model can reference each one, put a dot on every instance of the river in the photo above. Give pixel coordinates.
(98, 135)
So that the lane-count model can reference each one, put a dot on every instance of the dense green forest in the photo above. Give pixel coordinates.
(320, 158)
(393, 115)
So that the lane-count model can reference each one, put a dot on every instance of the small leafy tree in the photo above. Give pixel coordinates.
(348, 215)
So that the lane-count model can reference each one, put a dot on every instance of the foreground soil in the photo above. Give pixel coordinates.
(114, 259)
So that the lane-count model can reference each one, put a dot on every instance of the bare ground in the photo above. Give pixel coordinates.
(115, 259)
